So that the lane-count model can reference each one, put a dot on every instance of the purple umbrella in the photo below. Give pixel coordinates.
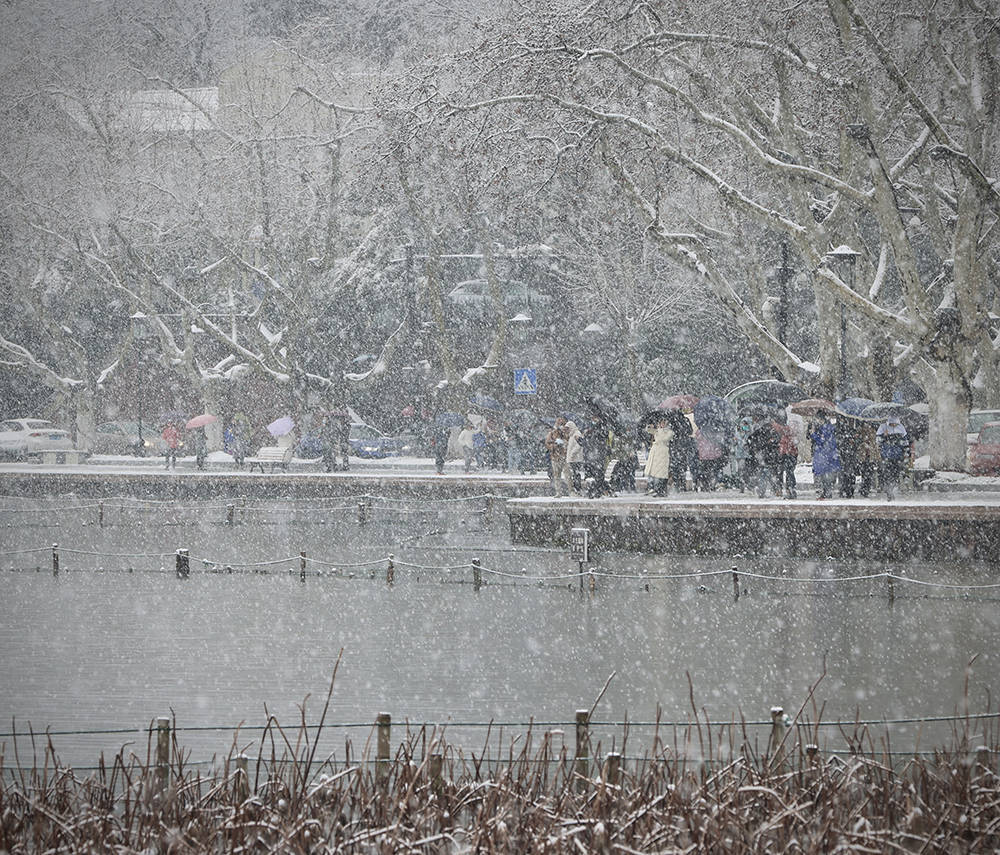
(280, 427)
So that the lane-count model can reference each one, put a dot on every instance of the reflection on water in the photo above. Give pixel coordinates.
(90, 649)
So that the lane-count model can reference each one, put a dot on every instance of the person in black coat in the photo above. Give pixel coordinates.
(595, 457)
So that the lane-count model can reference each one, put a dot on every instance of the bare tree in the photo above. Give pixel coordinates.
(832, 127)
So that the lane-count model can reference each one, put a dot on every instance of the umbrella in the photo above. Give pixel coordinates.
(199, 421)
(679, 402)
(605, 410)
(916, 424)
(485, 401)
(812, 406)
(853, 407)
(449, 420)
(712, 412)
(281, 427)
(773, 390)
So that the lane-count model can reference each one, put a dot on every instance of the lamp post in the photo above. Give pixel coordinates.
(844, 258)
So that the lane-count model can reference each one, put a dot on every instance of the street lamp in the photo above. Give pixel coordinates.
(845, 259)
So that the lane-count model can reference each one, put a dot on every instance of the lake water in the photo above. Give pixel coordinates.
(101, 646)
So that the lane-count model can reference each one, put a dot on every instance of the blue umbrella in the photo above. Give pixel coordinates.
(853, 407)
(482, 400)
(449, 419)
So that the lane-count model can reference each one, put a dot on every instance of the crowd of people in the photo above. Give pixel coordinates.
(756, 452)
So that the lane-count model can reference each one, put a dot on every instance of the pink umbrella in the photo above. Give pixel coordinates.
(200, 421)
(679, 402)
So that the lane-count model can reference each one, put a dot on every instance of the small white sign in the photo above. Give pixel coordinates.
(579, 541)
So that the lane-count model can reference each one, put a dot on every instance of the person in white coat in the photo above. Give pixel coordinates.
(574, 454)
(467, 444)
(657, 468)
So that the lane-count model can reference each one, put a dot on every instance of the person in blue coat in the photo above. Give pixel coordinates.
(826, 460)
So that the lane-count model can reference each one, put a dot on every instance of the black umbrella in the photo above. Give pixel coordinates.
(774, 390)
(605, 410)
(916, 424)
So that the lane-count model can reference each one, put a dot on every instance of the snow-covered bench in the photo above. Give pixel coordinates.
(72, 455)
(270, 454)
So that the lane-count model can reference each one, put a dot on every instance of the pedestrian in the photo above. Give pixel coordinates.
(595, 457)
(788, 457)
(710, 458)
(623, 451)
(199, 446)
(869, 459)
(680, 448)
(334, 435)
(439, 440)
(657, 469)
(557, 442)
(512, 441)
(849, 436)
(893, 444)
(479, 442)
(172, 439)
(239, 434)
(740, 452)
(574, 454)
(762, 454)
(467, 444)
(826, 461)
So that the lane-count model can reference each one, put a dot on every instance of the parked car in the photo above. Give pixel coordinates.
(123, 437)
(978, 418)
(27, 437)
(984, 453)
(366, 441)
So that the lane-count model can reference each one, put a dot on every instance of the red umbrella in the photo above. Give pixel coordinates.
(200, 421)
(679, 402)
(812, 406)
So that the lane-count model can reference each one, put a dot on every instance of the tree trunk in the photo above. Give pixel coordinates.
(949, 417)
(85, 406)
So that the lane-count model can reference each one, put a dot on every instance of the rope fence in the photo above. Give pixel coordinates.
(184, 560)
(587, 731)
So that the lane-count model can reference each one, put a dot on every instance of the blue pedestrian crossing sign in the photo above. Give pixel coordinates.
(525, 382)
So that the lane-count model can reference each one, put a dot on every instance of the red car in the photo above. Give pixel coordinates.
(984, 454)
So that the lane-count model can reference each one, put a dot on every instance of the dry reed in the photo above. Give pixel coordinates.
(700, 788)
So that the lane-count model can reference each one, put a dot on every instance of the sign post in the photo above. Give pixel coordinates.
(525, 381)
(579, 541)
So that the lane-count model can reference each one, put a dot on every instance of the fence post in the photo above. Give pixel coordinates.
(242, 780)
(891, 586)
(183, 564)
(477, 575)
(163, 752)
(230, 514)
(645, 580)
(55, 559)
(612, 768)
(384, 724)
(777, 737)
(593, 581)
(736, 585)
(362, 512)
(390, 571)
(100, 514)
(302, 565)
(582, 746)
(434, 772)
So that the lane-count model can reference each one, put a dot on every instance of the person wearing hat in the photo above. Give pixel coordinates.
(893, 444)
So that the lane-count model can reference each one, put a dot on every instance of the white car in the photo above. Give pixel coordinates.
(26, 437)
